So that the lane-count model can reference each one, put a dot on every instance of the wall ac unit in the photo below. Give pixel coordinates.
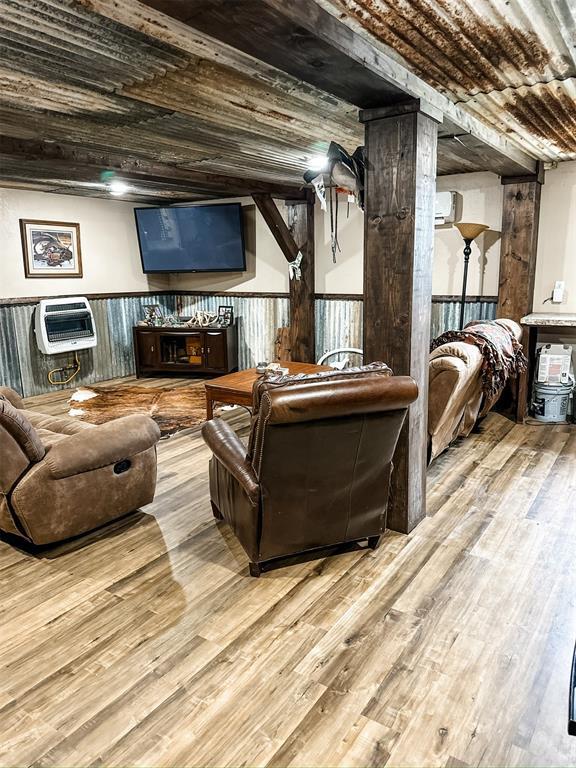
(445, 212)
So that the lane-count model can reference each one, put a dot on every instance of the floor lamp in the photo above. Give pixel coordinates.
(469, 233)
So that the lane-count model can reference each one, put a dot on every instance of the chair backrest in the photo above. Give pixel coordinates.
(20, 445)
(322, 449)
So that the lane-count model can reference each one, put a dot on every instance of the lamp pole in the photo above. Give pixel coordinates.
(467, 252)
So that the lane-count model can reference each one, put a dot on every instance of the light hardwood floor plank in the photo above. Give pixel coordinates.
(147, 644)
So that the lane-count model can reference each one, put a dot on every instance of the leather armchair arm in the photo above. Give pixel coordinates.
(104, 445)
(231, 452)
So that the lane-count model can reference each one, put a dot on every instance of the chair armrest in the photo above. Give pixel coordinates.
(104, 445)
(232, 454)
(12, 397)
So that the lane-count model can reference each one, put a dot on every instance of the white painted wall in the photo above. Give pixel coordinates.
(346, 275)
(110, 255)
(557, 239)
(482, 204)
(112, 263)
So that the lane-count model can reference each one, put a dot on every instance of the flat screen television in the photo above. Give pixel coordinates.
(199, 238)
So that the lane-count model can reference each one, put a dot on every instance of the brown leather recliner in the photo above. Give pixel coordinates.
(60, 477)
(317, 470)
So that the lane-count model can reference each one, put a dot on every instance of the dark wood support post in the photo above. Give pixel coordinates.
(398, 246)
(296, 238)
(302, 305)
(519, 243)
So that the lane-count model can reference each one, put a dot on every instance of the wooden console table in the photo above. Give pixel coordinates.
(532, 323)
(185, 350)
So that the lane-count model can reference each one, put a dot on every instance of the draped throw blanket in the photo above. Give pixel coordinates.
(502, 355)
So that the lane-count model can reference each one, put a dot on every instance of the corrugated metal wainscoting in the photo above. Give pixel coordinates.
(338, 324)
(24, 368)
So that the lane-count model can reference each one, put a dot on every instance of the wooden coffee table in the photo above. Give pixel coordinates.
(236, 388)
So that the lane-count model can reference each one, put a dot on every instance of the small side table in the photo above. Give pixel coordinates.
(532, 322)
(236, 388)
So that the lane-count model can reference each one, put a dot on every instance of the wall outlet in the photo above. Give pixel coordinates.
(558, 292)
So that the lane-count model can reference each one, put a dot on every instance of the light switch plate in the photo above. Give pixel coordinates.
(558, 292)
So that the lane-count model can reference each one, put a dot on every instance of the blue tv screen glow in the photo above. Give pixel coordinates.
(200, 238)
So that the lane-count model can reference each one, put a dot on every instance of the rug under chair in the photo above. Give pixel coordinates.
(172, 409)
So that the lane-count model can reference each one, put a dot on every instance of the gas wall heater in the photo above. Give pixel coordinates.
(64, 325)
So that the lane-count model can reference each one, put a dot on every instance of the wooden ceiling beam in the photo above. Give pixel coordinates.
(308, 40)
(64, 161)
(332, 29)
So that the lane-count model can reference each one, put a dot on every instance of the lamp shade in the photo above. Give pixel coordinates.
(471, 231)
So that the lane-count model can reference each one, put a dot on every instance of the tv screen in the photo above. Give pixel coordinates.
(200, 238)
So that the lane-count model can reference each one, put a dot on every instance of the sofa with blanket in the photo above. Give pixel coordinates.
(60, 477)
(456, 390)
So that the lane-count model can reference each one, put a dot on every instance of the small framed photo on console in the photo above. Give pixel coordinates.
(51, 248)
(153, 314)
(225, 315)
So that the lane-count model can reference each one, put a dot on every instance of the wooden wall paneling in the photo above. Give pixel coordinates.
(302, 301)
(518, 250)
(398, 247)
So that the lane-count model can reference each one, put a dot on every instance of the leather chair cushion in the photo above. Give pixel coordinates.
(274, 381)
(277, 381)
(321, 399)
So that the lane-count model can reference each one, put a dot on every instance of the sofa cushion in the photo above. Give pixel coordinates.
(469, 354)
(61, 425)
(21, 430)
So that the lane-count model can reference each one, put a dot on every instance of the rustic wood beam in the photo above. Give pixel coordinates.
(57, 160)
(398, 246)
(296, 241)
(259, 30)
(335, 29)
(302, 298)
(518, 250)
(277, 226)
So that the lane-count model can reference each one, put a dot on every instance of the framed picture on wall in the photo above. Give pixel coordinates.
(51, 248)
(225, 315)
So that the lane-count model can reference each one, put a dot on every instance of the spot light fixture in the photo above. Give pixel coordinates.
(317, 163)
(117, 187)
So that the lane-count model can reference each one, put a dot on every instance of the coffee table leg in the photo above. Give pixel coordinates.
(209, 407)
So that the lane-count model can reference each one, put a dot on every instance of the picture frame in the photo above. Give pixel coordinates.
(153, 314)
(225, 315)
(51, 248)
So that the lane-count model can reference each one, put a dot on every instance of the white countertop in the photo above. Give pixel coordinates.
(557, 319)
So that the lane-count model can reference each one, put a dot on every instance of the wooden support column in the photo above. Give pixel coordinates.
(295, 238)
(520, 220)
(401, 146)
(302, 304)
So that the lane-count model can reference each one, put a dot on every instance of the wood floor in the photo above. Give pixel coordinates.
(151, 645)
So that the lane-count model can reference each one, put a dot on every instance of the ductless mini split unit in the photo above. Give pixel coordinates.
(446, 208)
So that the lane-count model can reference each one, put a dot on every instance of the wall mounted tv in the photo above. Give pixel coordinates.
(199, 238)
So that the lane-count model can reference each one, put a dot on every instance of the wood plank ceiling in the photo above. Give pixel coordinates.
(198, 99)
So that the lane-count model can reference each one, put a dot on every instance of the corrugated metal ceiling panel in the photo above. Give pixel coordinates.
(511, 63)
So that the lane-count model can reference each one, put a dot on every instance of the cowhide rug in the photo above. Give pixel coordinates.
(172, 409)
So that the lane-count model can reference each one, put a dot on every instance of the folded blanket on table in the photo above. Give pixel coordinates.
(502, 355)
